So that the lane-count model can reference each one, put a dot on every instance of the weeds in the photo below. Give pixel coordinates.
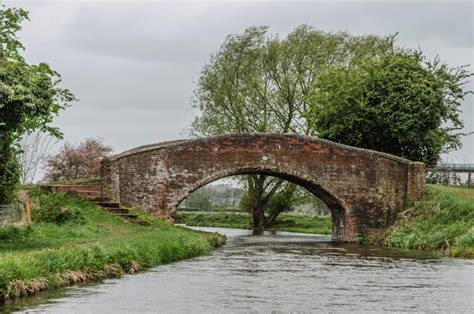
(443, 220)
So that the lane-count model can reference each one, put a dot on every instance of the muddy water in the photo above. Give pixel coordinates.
(280, 272)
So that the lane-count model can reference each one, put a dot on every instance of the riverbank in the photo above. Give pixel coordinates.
(284, 222)
(253, 274)
(442, 221)
(76, 241)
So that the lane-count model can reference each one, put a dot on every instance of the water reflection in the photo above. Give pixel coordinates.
(280, 272)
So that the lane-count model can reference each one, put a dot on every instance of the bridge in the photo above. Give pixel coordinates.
(364, 189)
(451, 173)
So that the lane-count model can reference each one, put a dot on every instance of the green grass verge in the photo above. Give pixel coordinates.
(284, 222)
(443, 221)
(47, 256)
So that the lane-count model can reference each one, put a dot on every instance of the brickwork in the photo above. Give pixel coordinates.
(364, 189)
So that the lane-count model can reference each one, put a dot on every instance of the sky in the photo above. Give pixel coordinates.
(134, 65)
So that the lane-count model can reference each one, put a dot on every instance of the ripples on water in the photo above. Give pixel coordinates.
(276, 273)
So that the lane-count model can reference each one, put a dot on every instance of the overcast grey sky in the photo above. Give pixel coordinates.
(133, 65)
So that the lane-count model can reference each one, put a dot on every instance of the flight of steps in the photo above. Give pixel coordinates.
(91, 192)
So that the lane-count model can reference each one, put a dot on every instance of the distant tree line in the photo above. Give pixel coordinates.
(214, 197)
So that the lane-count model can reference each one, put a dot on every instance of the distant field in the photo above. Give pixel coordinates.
(465, 192)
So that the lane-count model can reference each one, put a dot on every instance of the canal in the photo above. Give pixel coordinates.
(278, 272)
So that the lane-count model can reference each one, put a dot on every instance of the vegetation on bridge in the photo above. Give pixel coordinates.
(74, 241)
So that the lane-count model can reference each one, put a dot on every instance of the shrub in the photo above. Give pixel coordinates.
(52, 209)
(13, 233)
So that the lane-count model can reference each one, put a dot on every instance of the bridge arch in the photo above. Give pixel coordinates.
(336, 206)
(364, 189)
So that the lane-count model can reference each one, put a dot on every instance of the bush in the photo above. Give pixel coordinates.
(52, 209)
(14, 233)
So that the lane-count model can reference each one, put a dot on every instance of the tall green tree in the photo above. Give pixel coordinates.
(258, 82)
(30, 97)
(399, 103)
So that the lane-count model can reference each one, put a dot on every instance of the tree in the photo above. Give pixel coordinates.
(399, 103)
(33, 152)
(259, 83)
(81, 161)
(30, 97)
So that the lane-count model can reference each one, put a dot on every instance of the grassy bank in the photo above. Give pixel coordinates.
(443, 221)
(86, 243)
(284, 222)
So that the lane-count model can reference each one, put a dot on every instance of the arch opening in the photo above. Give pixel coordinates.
(335, 206)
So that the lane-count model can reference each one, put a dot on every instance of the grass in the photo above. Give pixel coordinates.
(100, 245)
(284, 222)
(443, 221)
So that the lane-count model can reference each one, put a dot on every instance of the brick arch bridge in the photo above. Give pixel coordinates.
(364, 189)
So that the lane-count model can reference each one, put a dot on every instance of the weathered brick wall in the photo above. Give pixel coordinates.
(364, 189)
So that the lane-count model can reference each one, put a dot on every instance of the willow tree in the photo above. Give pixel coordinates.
(258, 82)
(30, 97)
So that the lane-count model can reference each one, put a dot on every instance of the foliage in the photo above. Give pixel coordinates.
(285, 221)
(12, 233)
(399, 103)
(199, 199)
(443, 220)
(30, 97)
(51, 209)
(258, 82)
(103, 246)
(81, 161)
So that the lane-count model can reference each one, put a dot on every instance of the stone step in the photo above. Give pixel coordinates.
(75, 188)
(88, 195)
(92, 192)
(116, 210)
(106, 204)
(100, 200)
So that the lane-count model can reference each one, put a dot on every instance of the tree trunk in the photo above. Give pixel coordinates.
(259, 197)
(288, 192)
(255, 193)
(25, 210)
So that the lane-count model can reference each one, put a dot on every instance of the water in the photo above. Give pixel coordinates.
(280, 272)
